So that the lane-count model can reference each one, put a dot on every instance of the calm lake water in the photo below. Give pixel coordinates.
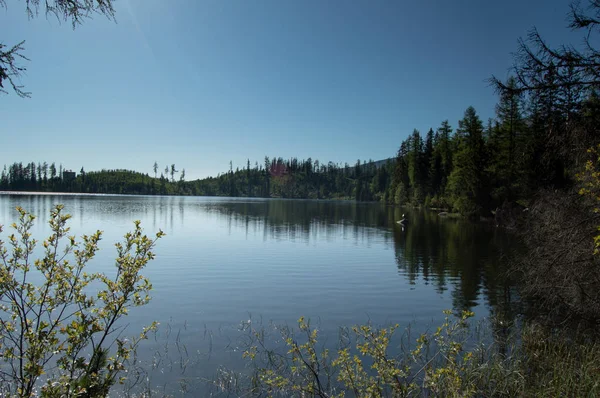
(226, 260)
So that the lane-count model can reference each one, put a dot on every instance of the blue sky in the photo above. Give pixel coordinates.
(199, 83)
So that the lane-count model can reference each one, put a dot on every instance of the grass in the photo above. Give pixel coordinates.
(555, 364)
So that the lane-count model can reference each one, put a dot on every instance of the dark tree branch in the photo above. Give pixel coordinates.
(538, 66)
(10, 69)
(74, 11)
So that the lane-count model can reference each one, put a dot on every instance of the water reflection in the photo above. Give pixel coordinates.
(340, 262)
(161, 211)
(449, 254)
(444, 252)
(298, 220)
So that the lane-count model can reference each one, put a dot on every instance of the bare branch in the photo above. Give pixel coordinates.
(10, 69)
(73, 11)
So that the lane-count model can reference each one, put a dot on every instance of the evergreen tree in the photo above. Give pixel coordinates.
(466, 183)
(426, 162)
(435, 167)
(509, 113)
(4, 182)
(173, 171)
(400, 178)
(441, 163)
(446, 147)
(267, 190)
(45, 171)
(506, 147)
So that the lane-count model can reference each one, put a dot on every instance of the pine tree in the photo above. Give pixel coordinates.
(426, 162)
(398, 193)
(446, 149)
(466, 183)
(173, 171)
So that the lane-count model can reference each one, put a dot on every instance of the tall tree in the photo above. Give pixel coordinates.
(267, 177)
(435, 167)
(505, 139)
(155, 167)
(248, 179)
(558, 80)
(427, 159)
(417, 170)
(466, 182)
(400, 178)
(4, 181)
(173, 171)
(509, 115)
(45, 171)
(446, 149)
(53, 171)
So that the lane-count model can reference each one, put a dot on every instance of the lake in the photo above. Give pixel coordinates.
(228, 260)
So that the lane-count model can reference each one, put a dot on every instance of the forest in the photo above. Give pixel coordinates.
(537, 140)
(546, 119)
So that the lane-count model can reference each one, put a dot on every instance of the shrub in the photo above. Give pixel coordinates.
(451, 361)
(366, 364)
(560, 273)
(57, 336)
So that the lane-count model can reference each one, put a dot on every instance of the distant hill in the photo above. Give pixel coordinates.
(378, 163)
(381, 163)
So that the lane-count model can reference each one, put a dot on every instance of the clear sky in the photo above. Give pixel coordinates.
(201, 82)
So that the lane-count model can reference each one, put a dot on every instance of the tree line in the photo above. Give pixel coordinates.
(536, 140)
(46, 177)
(472, 169)
(547, 116)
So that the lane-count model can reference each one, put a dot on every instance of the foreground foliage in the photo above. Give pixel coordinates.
(559, 273)
(60, 334)
(451, 361)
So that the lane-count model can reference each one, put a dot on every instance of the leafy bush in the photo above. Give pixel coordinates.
(559, 273)
(57, 336)
(365, 364)
(451, 361)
